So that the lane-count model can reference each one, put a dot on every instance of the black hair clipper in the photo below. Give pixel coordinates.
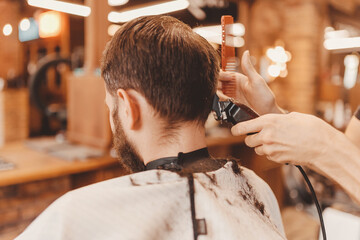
(232, 112)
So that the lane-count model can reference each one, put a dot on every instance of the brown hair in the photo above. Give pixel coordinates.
(162, 58)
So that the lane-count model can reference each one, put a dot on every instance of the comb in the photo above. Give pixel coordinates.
(228, 62)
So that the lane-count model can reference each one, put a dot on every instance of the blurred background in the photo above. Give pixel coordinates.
(54, 130)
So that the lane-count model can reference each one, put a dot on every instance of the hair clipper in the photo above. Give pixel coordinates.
(232, 112)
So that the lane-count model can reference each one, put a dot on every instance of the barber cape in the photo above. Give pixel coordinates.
(229, 203)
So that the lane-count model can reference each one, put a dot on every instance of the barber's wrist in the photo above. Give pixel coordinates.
(276, 109)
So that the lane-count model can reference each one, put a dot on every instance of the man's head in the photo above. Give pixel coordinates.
(163, 60)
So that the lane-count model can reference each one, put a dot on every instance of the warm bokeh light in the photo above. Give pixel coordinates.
(70, 8)
(274, 70)
(340, 39)
(337, 34)
(24, 24)
(278, 55)
(7, 29)
(351, 63)
(49, 24)
(157, 9)
(288, 54)
(236, 29)
(117, 2)
(214, 34)
(329, 29)
(342, 43)
(284, 73)
(112, 29)
(282, 66)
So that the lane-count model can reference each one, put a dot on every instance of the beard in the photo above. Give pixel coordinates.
(128, 156)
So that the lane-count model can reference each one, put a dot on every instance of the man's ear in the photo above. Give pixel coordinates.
(130, 108)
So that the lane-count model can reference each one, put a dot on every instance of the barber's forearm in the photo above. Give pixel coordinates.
(353, 129)
(342, 165)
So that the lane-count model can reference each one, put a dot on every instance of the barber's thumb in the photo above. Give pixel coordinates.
(246, 64)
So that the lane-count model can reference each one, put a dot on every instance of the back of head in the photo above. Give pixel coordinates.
(162, 58)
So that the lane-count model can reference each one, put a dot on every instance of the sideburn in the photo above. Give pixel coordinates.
(128, 156)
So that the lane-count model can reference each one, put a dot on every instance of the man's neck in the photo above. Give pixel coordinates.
(187, 138)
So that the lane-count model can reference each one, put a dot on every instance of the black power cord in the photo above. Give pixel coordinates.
(315, 200)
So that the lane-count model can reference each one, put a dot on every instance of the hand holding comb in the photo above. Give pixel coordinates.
(230, 111)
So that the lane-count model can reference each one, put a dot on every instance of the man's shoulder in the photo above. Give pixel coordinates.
(266, 196)
(241, 183)
(124, 187)
(140, 179)
(237, 180)
(121, 187)
(113, 207)
(234, 169)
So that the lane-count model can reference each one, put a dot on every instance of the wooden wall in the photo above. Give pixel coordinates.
(10, 47)
(298, 25)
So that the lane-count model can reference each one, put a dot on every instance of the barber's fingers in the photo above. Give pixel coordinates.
(274, 154)
(226, 76)
(222, 96)
(241, 79)
(264, 150)
(243, 82)
(251, 126)
(254, 140)
(259, 150)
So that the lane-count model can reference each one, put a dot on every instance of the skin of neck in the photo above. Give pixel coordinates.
(152, 144)
(146, 130)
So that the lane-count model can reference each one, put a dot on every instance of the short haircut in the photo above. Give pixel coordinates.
(165, 60)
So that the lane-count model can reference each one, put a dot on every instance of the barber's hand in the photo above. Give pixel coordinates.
(305, 140)
(253, 90)
(290, 138)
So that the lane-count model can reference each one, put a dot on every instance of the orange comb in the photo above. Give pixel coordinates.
(227, 59)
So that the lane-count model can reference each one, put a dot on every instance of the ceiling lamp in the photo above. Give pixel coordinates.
(117, 2)
(157, 9)
(112, 29)
(340, 39)
(70, 8)
(214, 34)
(342, 43)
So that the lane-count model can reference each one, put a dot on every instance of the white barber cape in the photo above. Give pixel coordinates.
(156, 204)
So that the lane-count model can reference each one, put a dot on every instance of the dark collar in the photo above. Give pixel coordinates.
(176, 163)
